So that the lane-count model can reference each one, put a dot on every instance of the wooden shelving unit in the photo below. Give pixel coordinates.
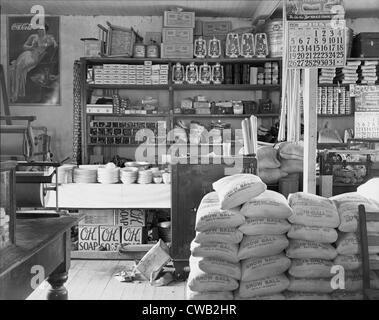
(168, 115)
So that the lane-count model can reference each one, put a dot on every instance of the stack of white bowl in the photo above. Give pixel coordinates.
(145, 176)
(85, 175)
(129, 175)
(108, 175)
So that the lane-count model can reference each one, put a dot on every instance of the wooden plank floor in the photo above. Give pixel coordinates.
(93, 280)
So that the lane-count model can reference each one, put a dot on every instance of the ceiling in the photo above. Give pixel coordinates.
(253, 9)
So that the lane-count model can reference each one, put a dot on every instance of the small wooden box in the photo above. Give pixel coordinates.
(177, 35)
(179, 19)
(216, 27)
(131, 217)
(177, 50)
(109, 237)
(88, 238)
(93, 47)
(133, 235)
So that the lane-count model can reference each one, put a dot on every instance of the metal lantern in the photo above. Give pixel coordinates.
(192, 74)
(232, 45)
(200, 48)
(247, 45)
(217, 73)
(214, 48)
(205, 73)
(261, 45)
(178, 73)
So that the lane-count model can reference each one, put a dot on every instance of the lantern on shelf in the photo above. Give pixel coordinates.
(261, 45)
(192, 74)
(247, 45)
(200, 48)
(178, 73)
(205, 73)
(214, 48)
(217, 74)
(232, 49)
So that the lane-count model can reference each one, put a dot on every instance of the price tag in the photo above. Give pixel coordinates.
(316, 44)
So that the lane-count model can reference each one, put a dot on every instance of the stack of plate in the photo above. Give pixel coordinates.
(145, 176)
(129, 175)
(108, 175)
(84, 175)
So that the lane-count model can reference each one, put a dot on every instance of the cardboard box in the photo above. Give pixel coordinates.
(179, 19)
(133, 235)
(131, 217)
(109, 237)
(216, 27)
(88, 238)
(177, 35)
(177, 50)
(198, 31)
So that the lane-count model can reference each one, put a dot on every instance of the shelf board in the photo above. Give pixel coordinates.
(128, 115)
(333, 85)
(99, 60)
(245, 87)
(129, 86)
(237, 116)
(335, 115)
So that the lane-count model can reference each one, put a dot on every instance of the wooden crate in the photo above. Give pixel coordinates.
(177, 50)
(177, 35)
(216, 27)
(179, 19)
(88, 238)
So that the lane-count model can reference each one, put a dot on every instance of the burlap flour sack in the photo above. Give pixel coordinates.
(351, 262)
(312, 210)
(200, 281)
(370, 190)
(291, 166)
(269, 204)
(319, 285)
(316, 234)
(347, 295)
(237, 189)
(209, 214)
(224, 251)
(258, 268)
(267, 158)
(306, 296)
(225, 235)
(290, 150)
(302, 249)
(215, 295)
(271, 176)
(262, 287)
(354, 280)
(310, 268)
(261, 246)
(276, 296)
(255, 226)
(347, 244)
(347, 206)
(217, 266)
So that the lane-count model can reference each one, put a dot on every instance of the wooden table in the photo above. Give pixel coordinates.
(42, 251)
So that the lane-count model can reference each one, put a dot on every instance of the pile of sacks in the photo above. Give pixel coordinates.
(314, 221)
(277, 162)
(261, 251)
(348, 247)
(215, 269)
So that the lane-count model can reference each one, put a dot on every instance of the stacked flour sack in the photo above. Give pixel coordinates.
(348, 246)
(261, 251)
(269, 165)
(215, 270)
(314, 221)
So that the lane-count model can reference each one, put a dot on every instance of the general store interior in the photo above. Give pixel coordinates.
(70, 143)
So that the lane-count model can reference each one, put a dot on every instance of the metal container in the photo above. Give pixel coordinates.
(152, 50)
(139, 50)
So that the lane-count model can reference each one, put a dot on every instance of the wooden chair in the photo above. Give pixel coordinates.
(366, 241)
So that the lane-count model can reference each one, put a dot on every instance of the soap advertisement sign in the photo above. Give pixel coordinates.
(88, 238)
(109, 237)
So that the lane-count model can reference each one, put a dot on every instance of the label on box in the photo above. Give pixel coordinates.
(179, 19)
(88, 238)
(131, 235)
(131, 217)
(177, 35)
(109, 237)
(177, 50)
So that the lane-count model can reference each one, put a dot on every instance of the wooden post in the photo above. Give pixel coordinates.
(310, 130)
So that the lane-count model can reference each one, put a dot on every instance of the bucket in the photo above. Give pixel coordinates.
(164, 231)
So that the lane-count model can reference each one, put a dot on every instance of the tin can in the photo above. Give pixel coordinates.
(152, 50)
(139, 50)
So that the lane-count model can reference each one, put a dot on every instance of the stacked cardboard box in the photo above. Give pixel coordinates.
(177, 34)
